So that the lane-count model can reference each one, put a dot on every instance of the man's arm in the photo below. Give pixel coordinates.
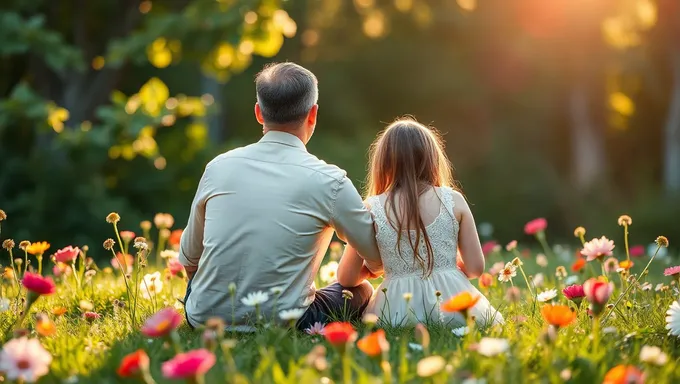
(353, 224)
(191, 244)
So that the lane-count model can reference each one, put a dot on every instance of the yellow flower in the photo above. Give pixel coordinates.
(662, 241)
(579, 232)
(38, 248)
(625, 220)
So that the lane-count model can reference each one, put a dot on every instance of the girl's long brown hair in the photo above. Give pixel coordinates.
(408, 158)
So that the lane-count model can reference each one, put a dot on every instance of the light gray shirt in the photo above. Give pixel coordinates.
(263, 217)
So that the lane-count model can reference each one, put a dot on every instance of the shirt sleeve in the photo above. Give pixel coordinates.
(353, 224)
(191, 243)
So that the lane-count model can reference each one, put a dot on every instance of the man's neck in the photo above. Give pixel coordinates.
(295, 132)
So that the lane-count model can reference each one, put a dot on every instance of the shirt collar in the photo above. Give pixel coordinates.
(283, 138)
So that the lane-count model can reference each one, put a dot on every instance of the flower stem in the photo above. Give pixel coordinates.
(625, 240)
(346, 369)
(526, 280)
(596, 334)
(40, 259)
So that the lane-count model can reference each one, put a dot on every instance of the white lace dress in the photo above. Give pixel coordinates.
(403, 275)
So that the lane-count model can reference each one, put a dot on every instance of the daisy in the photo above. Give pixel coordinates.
(598, 248)
(546, 295)
(489, 346)
(316, 329)
(507, 273)
(672, 271)
(329, 272)
(653, 355)
(460, 332)
(255, 298)
(151, 285)
(24, 360)
(659, 287)
(673, 319)
(276, 290)
(291, 314)
(647, 286)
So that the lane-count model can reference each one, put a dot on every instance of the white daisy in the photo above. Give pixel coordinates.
(151, 285)
(546, 295)
(489, 346)
(24, 360)
(4, 304)
(329, 272)
(461, 331)
(291, 314)
(647, 286)
(507, 273)
(659, 287)
(255, 298)
(673, 319)
(370, 319)
(276, 291)
(653, 355)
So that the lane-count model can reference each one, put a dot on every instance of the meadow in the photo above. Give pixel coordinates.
(586, 312)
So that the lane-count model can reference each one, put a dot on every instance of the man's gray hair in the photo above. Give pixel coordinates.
(286, 92)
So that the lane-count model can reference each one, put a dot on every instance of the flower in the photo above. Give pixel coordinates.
(558, 315)
(598, 293)
(8, 244)
(625, 220)
(672, 271)
(169, 254)
(163, 220)
(145, 225)
(560, 272)
(38, 248)
(598, 248)
(4, 304)
(462, 302)
(175, 267)
(134, 364)
(535, 226)
(161, 323)
(127, 260)
(574, 293)
(113, 218)
(496, 267)
(637, 251)
(626, 264)
(662, 241)
(175, 237)
(37, 284)
(610, 265)
(579, 232)
(67, 254)
(108, 244)
(141, 244)
(430, 366)
(370, 319)
(517, 262)
(546, 295)
(541, 260)
(578, 264)
(653, 355)
(24, 359)
(151, 285)
(86, 305)
(513, 294)
(3, 215)
(316, 329)
(348, 295)
(538, 279)
(485, 280)
(624, 374)
(511, 246)
(44, 326)
(489, 247)
(189, 364)
(61, 269)
(127, 236)
(460, 331)
(291, 314)
(339, 334)
(408, 296)
(59, 311)
(647, 286)
(374, 344)
(329, 272)
(422, 335)
(673, 319)
(24, 245)
(275, 290)
(255, 298)
(489, 346)
(507, 273)
(91, 316)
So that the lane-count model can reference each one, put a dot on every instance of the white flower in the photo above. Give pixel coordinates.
(460, 332)
(24, 360)
(151, 285)
(316, 329)
(489, 346)
(507, 273)
(647, 286)
(329, 272)
(538, 280)
(408, 296)
(276, 291)
(659, 287)
(541, 260)
(415, 347)
(291, 314)
(4, 304)
(169, 254)
(370, 319)
(141, 245)
(255, 298)
(546, 295)
(570, 280)
(673, 319)
(430, 366)
(653, 355)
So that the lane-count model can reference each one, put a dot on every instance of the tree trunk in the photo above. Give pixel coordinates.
(672, 131)
(587, 147)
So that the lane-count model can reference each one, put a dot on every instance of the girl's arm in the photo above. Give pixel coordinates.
(352, 270)
(468, 239)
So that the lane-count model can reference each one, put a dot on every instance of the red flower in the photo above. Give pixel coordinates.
(578, 264)
(175, 237)
(574, 293)
(535, 226)
(162, 323)
(174, 266)
(134, 364)
(374, 344)
(624, 374)
(91, 316)
(339, 334)
(489, 247)
(598, 293)
(67, 254)
(637, 251)
(189, 365)
(37, 284)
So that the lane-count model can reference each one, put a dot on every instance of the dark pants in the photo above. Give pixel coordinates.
(186, 297)
(329, 305)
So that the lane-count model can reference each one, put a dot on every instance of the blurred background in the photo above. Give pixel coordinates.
(563, 109)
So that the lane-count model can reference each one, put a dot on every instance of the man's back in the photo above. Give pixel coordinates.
(263, 218)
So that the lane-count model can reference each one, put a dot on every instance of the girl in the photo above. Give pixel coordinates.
(421, 222)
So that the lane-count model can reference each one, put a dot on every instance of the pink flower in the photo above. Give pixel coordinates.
(535, 226)
(316, 329)
(37, 284)
(189, 365)
(598, 248)
(610, 265)
(61, 269)
(67, 255)
(496, 267)
(637, 251)
(24, 360)
(672, 271)
(127, 236)
(574, 293)
(162, 323)
(598, 291)
(91, 316)
(126, 259)
(489, 247)
(174, 266)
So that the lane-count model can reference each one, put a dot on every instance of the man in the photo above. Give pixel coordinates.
(264, 215)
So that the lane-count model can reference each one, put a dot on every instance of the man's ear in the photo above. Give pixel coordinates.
(258, 114)
(311, 116)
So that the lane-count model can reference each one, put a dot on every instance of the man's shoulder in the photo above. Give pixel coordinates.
(232, 153)
(317, 165)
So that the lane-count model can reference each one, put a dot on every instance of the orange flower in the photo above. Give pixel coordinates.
(44, 326)
(38, 248)
(485, 280)
(626, 264)
(460, 303)
(624, 374)
(374, 344)
(59, 311)
(8, 273)
(339, 334)
(558, 315)
(175, 237)
(134, 364)
(578, 264)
